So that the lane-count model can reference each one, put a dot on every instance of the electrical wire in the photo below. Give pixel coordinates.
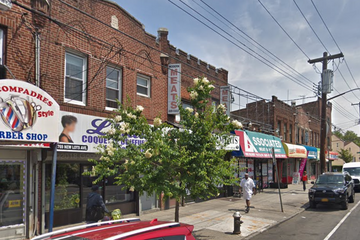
(253, 41)
(237, 45)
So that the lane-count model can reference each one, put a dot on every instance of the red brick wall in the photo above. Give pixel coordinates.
(101, 45)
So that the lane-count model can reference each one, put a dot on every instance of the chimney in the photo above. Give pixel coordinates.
(293, 103)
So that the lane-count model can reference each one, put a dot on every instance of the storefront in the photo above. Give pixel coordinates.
(28, 115)
(72, 187)
(296, 160)
(330, 157)
(312, 162)
(255, 156)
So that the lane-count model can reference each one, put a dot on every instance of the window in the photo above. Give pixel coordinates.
(12, 192)
(143, 85)
(116, 193)
(75, 78)
(285, 131)
(279, 127)
(290, 133)
(113, 87)
(2, 44)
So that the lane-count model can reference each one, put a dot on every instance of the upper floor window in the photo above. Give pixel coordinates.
(2, 46)
(290, 133)
(143, 85)
(285, 131)
(75, 78)
(113, 87)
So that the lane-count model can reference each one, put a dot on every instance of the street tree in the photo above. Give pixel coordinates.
(171, 162)
(345, 155)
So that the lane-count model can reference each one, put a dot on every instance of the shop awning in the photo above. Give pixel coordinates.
(332, 155)
(295, 151)
(311, 152)
(259, 145)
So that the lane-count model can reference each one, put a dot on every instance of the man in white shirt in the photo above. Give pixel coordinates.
(247, 185)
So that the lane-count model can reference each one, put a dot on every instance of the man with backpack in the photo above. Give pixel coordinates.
(95, 207)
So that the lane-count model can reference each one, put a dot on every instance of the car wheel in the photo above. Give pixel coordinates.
(352, 197)
(345, 204)
(312, 204)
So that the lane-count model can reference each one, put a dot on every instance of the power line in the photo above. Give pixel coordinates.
(283, 29)
(261, 48)
(237, 45)
(310, 26)
(347, 66)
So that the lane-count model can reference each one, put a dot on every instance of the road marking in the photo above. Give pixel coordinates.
(341, 222)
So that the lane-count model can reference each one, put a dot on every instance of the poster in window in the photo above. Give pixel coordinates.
(264, 169)
(270, 170)
(251, 168)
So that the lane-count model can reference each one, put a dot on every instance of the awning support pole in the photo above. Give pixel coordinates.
(52, 190)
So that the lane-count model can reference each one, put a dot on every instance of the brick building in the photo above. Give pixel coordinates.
(86, 55)
(297, 124)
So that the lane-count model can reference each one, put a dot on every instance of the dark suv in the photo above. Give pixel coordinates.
(332, 188)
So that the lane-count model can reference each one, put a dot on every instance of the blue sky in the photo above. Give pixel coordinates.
(342, 18)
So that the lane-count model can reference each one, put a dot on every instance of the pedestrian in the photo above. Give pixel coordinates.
(95, 207)
(304, 180)
(247, 185)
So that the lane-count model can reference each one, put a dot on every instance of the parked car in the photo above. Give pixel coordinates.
(124, 229)
(332, 188)
(353, 169)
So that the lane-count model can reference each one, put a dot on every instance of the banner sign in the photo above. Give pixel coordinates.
(302, 167)
(225, 98)
(259, 145)
(83, 133)
(174, 88)
(28, 113)
(229, 142)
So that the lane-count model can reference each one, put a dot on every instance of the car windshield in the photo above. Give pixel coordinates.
(355, 171)
(326, 179)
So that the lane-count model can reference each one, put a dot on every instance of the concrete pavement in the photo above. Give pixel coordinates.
(326, 222)
(213, 219)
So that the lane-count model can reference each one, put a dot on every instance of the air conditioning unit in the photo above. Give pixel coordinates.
(5, 5)
(281, 138)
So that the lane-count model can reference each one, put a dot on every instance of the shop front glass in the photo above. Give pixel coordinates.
(12, 192)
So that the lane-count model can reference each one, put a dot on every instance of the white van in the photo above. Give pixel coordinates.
(353, 169)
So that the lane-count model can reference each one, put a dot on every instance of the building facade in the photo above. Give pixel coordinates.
(88, 55)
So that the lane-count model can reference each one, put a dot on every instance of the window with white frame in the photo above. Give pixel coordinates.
(75, 78)
(113, 87)
(143, 85)
(2, 46)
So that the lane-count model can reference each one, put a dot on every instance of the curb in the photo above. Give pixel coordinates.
(276, 224)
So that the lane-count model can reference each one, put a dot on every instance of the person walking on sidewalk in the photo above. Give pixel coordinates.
(95, 206)
(247, 185)
(304, 180)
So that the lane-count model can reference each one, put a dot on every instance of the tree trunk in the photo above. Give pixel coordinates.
(177, 209)
(183, 201)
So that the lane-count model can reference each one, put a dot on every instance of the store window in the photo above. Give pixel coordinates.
(2, 46)
(116, 193)
(113, 87)
(143, 85)
(75, 78)
(67, 186)
(12, 192)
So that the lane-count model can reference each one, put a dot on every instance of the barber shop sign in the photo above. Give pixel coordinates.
(27, 112)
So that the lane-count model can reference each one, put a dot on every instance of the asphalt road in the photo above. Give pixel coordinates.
(326, 222)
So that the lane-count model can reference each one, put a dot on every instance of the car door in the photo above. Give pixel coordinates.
(349, 184)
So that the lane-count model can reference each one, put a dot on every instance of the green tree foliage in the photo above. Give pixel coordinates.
(171, 161)
(345, 155)
(349, 136)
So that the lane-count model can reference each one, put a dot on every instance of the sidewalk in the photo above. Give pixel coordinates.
(213, 219)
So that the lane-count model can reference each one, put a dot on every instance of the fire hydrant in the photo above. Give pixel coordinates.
(237, 223)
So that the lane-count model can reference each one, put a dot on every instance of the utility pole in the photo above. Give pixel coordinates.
(323, 132)
(354, 104)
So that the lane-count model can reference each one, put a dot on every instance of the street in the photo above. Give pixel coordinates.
(324, 222)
